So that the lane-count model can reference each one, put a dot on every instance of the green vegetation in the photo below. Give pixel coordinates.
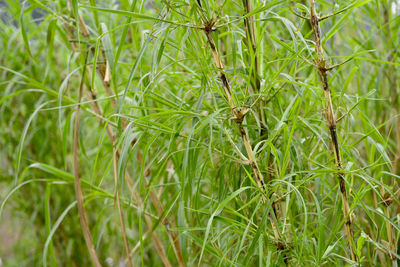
(200, 133)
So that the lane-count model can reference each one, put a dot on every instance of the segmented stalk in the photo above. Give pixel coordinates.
(239, 114)
(331, 121)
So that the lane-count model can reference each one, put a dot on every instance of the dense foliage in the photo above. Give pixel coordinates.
(199, 133)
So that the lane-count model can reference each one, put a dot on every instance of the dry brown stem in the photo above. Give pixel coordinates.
(90, 93)
(77, 182)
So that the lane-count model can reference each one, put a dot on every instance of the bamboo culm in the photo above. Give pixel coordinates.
(320, 64)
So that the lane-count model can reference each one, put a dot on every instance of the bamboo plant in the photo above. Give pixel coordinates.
(193, 133)
(323, 68)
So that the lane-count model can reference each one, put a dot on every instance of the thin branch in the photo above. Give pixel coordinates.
(333, 14)
(339, 64)
(299, 15)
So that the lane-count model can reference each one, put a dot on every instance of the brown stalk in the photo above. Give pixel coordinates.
(121, 217)
(156, 202)
(239, 114)
(157, 242)
(92, 96)
(135, 247)
(320, 64)
(77, 182)
(173, 236)
(170, 223)
(164, 221)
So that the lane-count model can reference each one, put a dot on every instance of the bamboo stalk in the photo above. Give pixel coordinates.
(77, 182)
(121, 217)
(173, 236)
(331, 121)
(239, 114)
(92, 96)
(135, 247)
(154, 236)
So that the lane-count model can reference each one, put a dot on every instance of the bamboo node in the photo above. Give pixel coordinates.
(209, 26)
